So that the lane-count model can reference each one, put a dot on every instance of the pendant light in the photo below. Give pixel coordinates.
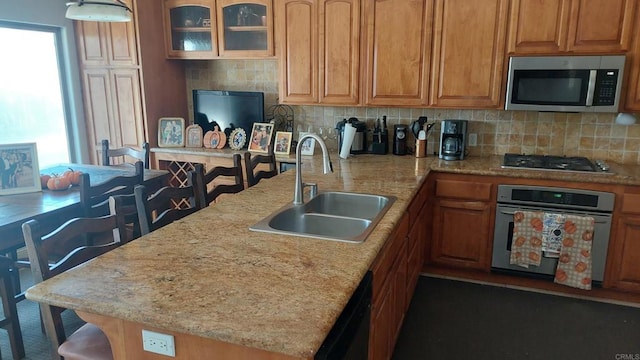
(99, 10)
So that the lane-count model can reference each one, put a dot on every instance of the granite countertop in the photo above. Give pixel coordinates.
(210, 276)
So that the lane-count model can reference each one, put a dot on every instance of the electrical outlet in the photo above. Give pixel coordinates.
(473, 139)
(158, 343)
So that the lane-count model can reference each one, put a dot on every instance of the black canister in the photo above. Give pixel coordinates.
(400, 139)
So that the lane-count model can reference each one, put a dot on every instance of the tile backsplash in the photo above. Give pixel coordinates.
(573, 134)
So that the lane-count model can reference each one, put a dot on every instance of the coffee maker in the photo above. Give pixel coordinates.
(453, 139)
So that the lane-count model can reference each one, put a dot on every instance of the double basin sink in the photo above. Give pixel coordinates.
(332, 215)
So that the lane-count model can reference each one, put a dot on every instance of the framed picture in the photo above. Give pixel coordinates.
(283, 143)
(171, 132)
(308, 145)
(193, 136)
(19, 171)
(260, 137)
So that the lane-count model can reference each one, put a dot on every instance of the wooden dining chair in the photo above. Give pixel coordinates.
(88, 342)
(254, 170)
(158, 209)
(125, 154)
(94, 198)
(214, 180)
(10, 321)
(124, 207)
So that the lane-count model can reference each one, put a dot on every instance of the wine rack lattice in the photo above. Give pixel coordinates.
(179, 178)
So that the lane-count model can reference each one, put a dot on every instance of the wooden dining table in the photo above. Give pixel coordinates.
(53, 208)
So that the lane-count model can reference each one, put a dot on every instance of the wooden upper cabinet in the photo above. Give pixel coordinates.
(601, 25)
(296, 29)
(468, 55)
(579, 26)
(245, 28)
(339, 40)
(538, 26)
(190, 29)
(398, 51)
(106, 44)
(319, 51)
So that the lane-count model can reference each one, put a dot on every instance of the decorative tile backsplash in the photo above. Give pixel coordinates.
(573, 134)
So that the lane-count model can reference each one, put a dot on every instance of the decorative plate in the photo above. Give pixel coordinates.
(237, 139)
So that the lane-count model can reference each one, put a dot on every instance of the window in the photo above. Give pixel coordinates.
(32, 107)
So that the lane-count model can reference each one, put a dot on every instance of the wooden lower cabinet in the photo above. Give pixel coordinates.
(388, 305)
(624, 262)
(462, 221)
(626, 266)
(462, 233)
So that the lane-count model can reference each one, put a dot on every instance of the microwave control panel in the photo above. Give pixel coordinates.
(605, 91)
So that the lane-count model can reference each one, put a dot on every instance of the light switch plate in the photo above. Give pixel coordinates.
(158, 343)
(473, 139)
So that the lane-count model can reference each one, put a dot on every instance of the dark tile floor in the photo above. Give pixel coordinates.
(450, 319)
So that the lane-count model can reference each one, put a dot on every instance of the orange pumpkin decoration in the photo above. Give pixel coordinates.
(564, 258)
(520, 240)
(536, 242)
(534, 256)
(73, 176)
(518, 216)
(518, 254)
(586, 253)
(586, 281)
(581, 267)
(568, 242)
(570, 227)
(536, 223)
(43, 180)
(58, 183)
(587, 235)
(561, 275)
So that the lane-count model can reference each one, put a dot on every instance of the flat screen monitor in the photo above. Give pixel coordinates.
(227, 109)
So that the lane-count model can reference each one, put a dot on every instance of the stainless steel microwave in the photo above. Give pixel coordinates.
(565, 83)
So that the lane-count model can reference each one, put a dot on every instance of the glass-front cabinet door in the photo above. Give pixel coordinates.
(190, 29)
(245, 28)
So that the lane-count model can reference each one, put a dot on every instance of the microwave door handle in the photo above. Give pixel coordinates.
(591, 87)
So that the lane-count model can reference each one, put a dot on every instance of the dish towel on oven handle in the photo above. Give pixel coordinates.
(552, 234)
(574, 263)
(526, 246)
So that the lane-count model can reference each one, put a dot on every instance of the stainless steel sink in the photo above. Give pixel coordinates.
(339, 216)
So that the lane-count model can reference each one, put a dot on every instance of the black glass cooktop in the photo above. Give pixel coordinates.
(550, 162)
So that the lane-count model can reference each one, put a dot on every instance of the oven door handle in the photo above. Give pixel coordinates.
(513, 212)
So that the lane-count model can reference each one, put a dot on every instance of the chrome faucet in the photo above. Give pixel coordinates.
(298, 197)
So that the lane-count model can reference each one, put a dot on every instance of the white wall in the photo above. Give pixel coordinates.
(51, 13)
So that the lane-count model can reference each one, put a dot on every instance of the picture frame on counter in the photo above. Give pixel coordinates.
(282, 144)
(19, 170)
(308, 145)
(193, 136)
(171, 132)
(260, 140)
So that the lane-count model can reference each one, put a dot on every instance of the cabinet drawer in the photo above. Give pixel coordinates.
(382, 265)
(631, 203)
(463, 189)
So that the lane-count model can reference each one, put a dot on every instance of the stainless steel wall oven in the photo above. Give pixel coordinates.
(512, 198)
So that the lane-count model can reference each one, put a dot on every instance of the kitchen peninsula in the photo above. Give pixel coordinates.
(220, 288)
